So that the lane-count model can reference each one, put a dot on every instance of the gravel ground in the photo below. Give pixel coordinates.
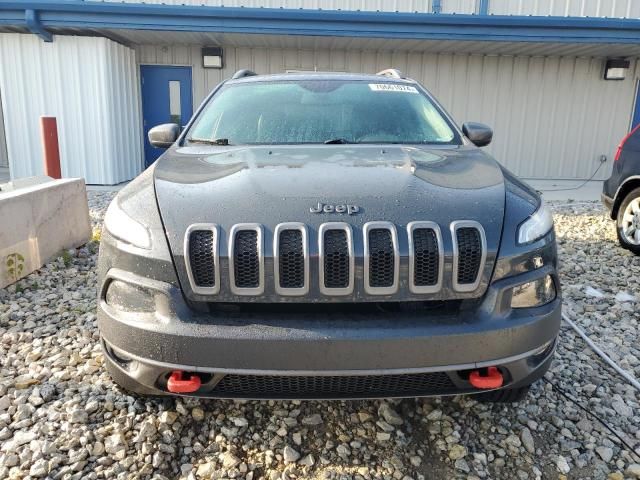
(62, 417)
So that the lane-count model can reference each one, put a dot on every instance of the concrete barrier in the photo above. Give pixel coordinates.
(40, 217)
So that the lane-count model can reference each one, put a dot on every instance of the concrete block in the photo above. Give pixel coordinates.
(38, 219)
(23, 183)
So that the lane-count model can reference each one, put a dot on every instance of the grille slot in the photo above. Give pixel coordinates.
(381, 261)
(337, 386)
(201, 258)
(336, 259)
(291, 259)
(426, 257)
(246, 262)
(470, 252)
(381, 258)
(469, 255)
(291, 263)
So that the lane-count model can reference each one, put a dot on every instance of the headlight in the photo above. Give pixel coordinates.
(534, 294)
(130, 298)
(536, 226)
(124, 228)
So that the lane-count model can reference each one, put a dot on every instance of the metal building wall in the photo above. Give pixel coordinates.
(553, 116)
(4, 158)
(580, 8)
(422, 6)
(91, 86)
(574, 8)
(460, 6)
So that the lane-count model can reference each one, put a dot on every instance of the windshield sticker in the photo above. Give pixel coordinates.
(392, 87)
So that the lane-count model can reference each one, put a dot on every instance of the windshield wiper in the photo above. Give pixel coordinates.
(217, 141)
(337, 141)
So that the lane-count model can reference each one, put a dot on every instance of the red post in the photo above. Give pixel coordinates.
(50, 149)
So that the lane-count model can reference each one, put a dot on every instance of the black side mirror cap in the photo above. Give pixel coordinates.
(478, 133)
(163, 136)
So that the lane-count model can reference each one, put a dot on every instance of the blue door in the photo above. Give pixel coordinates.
(166, 98)
(636, 114)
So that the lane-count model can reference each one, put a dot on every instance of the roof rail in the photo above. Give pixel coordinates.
(391, 72)
(243, 73)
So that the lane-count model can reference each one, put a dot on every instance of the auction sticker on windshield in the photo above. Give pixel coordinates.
(392, 87)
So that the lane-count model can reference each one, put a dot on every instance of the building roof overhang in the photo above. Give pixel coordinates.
(140, 23)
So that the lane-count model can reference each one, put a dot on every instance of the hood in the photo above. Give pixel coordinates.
(316, 184)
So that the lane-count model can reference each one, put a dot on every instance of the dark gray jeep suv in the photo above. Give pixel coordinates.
(327, 236)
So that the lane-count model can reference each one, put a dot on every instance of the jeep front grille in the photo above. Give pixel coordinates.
(334, 269)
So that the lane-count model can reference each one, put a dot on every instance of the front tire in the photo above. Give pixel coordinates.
(628, 222)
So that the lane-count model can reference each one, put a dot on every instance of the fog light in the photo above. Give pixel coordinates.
(534, 294)
(120, 358)
(130, 298)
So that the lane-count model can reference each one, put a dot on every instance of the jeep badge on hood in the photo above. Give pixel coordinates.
(327, 208)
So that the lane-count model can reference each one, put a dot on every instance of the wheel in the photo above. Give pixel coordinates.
(628, 222)
(507, 395)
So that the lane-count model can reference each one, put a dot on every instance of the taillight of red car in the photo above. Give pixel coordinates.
(621, 146)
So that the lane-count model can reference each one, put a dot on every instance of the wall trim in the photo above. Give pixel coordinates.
(483, 7)
(33, 24)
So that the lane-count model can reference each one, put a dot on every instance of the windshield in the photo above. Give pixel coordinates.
(321, 111)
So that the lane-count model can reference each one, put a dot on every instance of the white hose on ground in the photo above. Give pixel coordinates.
(626, 375)
(553, 204)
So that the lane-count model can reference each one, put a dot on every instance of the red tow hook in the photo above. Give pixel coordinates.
(176, 384)
(493, 378)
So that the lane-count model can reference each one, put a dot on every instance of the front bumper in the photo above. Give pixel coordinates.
(308, 355)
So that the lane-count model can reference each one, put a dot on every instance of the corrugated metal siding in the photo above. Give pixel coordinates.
(124, 108)
(4, 157)
(460, 6)
(423, 6)
(553, 116)
(578, 8)
(90, 85)
(573, 8)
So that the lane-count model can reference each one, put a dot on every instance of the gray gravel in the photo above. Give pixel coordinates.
(62, 417)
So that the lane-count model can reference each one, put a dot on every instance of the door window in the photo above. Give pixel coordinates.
(174, 102)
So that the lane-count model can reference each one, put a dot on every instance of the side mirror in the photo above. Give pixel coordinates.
(479, 134)
(163, 136)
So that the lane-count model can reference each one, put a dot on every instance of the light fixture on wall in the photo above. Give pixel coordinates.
(616, 69)
(212, 57)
